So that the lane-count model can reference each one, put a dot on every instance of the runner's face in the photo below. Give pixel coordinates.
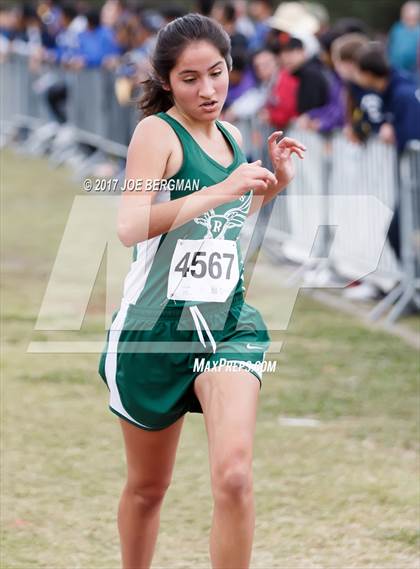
(199, 81)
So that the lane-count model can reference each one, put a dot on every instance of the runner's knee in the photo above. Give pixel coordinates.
(232, 477)
(146, 495)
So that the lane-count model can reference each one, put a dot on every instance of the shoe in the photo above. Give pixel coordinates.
(362, 291)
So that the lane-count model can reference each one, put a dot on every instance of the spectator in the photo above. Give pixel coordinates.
(241, 78)
(312, 91)
(320, 12)
(51, 85)
(260, 11)
(281, 104)
(399, 93)
(94, 44)
(7, 23)
(7, 31)
(31, 30)
(125, 30)
(401, 99)
(150, 23)
(225, 14)
(49, 12)
(134, 65)
(67, 38)
(332, 115)
(295, 20)
(249, 105)
(244, 24)
(404, 39)
(264, 65)
(111, 12)
(364, 107)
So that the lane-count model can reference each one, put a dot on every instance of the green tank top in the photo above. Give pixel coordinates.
(147, 281)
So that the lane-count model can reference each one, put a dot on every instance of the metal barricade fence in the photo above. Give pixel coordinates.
(365, 170)
(408, 214)
(11, 93)
(121, 120)
(87, 101)
(19, 101)
(309, 180)
(410, 186)
(91, 107)
(333, 166)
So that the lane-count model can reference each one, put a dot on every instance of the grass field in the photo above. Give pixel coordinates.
(343, 494)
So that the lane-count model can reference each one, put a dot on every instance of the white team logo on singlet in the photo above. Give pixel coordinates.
(218, 224)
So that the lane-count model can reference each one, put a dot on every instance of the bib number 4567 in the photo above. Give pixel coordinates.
(203, 270)
(203, 263)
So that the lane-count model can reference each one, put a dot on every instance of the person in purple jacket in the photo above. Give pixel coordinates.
(241, 78)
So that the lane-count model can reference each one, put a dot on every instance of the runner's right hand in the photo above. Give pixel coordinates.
(248, 177)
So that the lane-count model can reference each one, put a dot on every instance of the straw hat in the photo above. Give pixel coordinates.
(293, 18)
(319, 11)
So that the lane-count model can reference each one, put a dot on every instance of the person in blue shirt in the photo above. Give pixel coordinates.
(399, 93)
(260, 11)
(56, 90)
(95, 44)
(404, 39)
(66, 40)
(364, 107)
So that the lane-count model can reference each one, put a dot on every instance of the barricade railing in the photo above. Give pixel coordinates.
(335, 167)
(365, 170)
(407, 291)
(92, 108)
(18, 100)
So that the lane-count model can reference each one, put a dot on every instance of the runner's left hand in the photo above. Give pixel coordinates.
(281, 155)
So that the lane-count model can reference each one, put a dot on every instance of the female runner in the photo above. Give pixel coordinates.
(184, 340)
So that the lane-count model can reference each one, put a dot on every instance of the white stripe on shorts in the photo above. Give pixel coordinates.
(111, 366)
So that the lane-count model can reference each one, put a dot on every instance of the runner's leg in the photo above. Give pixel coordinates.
(229, 402)
(150, 460)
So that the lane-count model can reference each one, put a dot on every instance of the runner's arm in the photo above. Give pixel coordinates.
(281, 149)
(258, 200)
(139, 218)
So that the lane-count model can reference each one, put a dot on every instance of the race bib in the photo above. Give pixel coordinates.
(203, 270)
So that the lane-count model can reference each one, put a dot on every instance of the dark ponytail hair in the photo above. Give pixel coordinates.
(170, 43)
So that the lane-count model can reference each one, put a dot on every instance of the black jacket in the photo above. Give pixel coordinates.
(313, 89)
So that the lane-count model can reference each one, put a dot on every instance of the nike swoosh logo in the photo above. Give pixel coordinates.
(251, 347)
